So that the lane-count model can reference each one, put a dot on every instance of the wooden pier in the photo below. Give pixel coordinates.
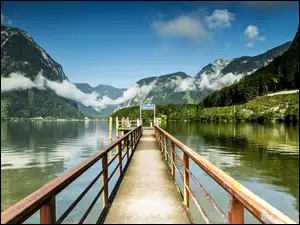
(147, 193)
(146, 190)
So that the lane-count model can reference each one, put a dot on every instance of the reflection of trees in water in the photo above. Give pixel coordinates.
(37, 152)
(21, 134)
(253, 144)
(16, 184)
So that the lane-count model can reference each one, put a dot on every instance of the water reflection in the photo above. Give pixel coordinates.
(264, 158)
(33, 153)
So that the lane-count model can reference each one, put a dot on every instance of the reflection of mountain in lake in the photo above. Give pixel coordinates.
(248, 152)
(34, 153)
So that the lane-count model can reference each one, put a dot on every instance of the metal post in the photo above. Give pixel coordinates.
(110, 135)
(48, 211)
(167, 150)
(235, 211)
(104, 181)
(173, 159)
(120, 158)
(154, 115)
(186, 180)
(117, 127)
(141, 116)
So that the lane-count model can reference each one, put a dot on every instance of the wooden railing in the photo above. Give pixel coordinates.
(128, 123)
(239, 196)
(44, 198)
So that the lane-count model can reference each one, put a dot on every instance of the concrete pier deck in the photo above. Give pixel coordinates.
(147, 193)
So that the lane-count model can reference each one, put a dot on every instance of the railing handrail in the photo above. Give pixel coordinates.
(30, 204)
(256, 205)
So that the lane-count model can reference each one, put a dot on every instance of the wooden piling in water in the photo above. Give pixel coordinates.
(117, 127)
(110, 135)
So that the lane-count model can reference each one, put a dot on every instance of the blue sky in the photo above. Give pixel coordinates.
(118, 43)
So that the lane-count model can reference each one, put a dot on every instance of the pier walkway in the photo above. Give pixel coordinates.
(147, 193)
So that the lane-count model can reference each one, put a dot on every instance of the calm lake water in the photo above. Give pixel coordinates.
(264, 158)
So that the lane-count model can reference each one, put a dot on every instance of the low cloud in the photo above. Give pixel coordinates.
(251, 34)
(18, 81)
(220, 19)
(182, 26)
(2, 18)
(217, 81)
(181, 85)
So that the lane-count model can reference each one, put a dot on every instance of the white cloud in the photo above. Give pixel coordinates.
(182, 26)
(9, 22)
(249, 44)
(250, 34)
(262, 38)
(2, 19)
(181, 85)
(18, 81)
(220, 19)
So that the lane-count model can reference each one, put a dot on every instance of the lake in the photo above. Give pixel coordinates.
(264, 158)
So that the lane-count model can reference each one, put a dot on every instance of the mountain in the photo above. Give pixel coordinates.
(20, 53)
(280, 74)
(176, 88)
(101, 90)
(180, 88)
(214, 68)
(247, 64)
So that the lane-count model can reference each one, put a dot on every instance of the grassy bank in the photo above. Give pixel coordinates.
(265, 108)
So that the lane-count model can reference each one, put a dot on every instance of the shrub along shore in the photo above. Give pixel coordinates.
(261, 109)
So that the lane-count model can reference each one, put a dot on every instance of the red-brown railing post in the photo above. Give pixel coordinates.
(48, 211)
(104, 180)
(127, 147)
(166, 149)
(160, 141)
(163, 143)
(186, 179)
(235, 211)
(120, 159)
(173, 159)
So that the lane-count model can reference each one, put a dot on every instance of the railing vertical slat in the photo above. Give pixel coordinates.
(48, 211)
(104, 180)
(186, 180)
(166, 151)
(173, 159)
(163, 144)
(120, 159)
(127, 148)
(235, 211)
